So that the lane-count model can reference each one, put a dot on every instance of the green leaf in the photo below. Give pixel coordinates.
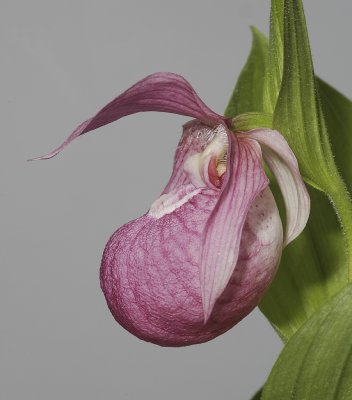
(298, 102)
(258, 395)
(274, 68)
(315, 266)
(316, 363)
(318, 264)
(251, 120)
(337, 110)
(248, 93)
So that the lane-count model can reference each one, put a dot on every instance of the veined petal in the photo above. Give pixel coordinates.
(283, 164)
(150, 271)
(244, 180)
(162, 91)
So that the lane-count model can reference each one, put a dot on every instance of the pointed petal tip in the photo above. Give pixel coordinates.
(33, 159)
(207, 308)
(45, 157)
(206, 316)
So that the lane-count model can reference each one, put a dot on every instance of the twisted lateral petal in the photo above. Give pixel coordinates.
(162, 91)
(244, 180)
(283, 164)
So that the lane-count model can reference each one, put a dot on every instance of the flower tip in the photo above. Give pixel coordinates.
(36, 159)
(45, 157)
(206, 313)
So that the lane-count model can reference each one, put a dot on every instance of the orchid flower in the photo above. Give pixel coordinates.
(208, 248)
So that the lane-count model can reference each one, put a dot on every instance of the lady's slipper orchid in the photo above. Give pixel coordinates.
(203, 255)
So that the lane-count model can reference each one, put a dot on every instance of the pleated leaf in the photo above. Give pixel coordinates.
(248, 95)
(316, 363)
(318, 264)
(274, 70)
(337, 110)
(315, 266)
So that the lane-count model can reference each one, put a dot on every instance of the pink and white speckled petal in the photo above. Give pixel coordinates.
(283, 164)
(162, 91)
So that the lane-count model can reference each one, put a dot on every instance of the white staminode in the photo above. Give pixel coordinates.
(195, 164)
(169, 202)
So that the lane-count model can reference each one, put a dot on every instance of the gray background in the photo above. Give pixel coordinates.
(61, 61)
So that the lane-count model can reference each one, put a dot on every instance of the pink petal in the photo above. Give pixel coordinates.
(151, 266)
(162, 91)
(244, 180)
(283, 164)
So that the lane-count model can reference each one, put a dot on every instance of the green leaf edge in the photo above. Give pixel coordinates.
(260, 40)
(316, 363)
